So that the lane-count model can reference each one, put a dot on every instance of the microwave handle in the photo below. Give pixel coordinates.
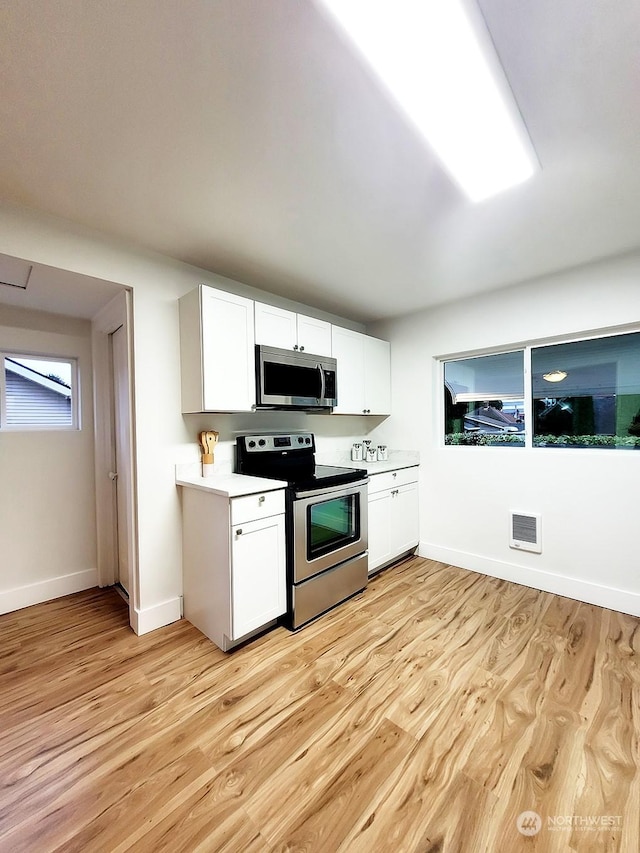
(322, 385)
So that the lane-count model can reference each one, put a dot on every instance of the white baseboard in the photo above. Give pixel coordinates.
(621, 600)
(150, 618)
(36, 593)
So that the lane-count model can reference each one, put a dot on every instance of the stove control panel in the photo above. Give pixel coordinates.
(284, 441)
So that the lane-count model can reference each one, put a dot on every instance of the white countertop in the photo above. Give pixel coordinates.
(229, 485)
(383, 467)
(397, 459)
(226, 485)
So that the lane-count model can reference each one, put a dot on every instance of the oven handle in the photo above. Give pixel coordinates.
(332, 490)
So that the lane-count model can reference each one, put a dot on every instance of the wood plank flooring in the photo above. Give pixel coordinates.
(424, 715)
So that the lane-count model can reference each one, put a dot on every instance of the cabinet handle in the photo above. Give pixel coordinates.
(395, 474)
(261, 499)
(239, 532)
(301, 349)
(295, 346)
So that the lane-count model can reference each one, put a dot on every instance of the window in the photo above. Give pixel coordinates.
(587, 393)
(484, 400)
(38, 392)
(580, 394)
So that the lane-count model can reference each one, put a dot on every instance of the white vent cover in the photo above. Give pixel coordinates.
(524, 531)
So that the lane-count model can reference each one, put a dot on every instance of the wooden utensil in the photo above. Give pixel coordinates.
(208, 441)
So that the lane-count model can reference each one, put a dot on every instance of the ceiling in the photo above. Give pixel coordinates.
(245, 137)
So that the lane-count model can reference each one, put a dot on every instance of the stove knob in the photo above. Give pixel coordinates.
(262, 442)
(300, 439)
(252, 444)
(307, 440)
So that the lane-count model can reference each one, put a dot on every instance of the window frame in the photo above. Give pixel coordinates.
(527, 348)
(72, 361)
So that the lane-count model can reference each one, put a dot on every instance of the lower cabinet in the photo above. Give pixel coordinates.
(394, 525)
(233, 563)
(257, 574)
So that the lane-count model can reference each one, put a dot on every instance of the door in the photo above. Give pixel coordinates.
(348, 349)
(405, 519)
(329, 527)
(120, 472)
(257, 574)
(275, 327)
(380, 547)
(314, 335)
(377, 376)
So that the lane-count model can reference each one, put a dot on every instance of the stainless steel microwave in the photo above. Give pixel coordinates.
(290, 379)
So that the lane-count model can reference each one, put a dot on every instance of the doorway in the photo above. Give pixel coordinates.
(111, 340)
(119, 475)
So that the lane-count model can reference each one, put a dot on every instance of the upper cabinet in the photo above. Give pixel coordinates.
(276, 327)
(364, 373)
(217, 351)
(218, 334)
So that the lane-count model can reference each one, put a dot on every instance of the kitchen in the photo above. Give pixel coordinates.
(552, 264)
(570, 301)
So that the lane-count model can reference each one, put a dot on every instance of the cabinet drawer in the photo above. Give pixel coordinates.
(254, 507)
(392, 479)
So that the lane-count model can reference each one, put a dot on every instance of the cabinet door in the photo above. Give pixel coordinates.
(275, 327)
(380, 547)
(228, 354)
(258, 589)
(404, 518)
(348, 349)
(314, 336)
(377, 376)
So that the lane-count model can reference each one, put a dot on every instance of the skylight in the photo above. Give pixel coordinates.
(444, 73)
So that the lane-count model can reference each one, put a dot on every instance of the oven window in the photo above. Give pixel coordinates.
(332, 524)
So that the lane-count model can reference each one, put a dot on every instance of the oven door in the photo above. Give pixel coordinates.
(329, 527)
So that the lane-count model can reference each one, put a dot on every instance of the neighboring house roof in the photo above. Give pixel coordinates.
(493, 419)
(33, 398)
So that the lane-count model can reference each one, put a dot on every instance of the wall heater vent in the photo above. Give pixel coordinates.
(524, 532)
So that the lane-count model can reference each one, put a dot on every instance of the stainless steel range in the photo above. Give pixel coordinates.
(326, 521)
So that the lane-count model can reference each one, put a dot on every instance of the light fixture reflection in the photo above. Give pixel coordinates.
(443, 71)
(555, 376)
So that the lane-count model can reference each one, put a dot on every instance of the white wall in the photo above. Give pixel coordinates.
(163, 435)
(47, 494)
(588, 498)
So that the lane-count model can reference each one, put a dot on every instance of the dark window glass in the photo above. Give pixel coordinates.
(587, 393)
(484, 400)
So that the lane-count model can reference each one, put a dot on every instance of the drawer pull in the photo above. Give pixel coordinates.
(239, 532)
(261, 499)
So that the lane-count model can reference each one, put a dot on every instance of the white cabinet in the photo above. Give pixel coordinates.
(233, 563)
(364, 373)
(276, 327)
(257, 574)
(217, 353)
(394, 526)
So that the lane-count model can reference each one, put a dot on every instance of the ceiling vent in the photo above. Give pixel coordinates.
(524, 532)
(15, 272)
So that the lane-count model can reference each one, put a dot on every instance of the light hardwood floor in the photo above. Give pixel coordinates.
(424, 715)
